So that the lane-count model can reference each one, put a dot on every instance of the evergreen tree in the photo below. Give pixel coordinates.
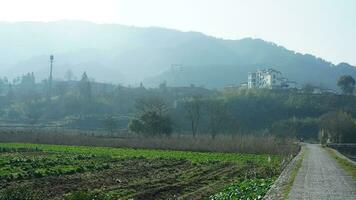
(85, 87)
(347, 84)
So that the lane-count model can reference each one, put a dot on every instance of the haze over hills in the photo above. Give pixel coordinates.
(129, 55)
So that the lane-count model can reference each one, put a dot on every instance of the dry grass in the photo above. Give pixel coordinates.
(223, 143)
(288, 187)
(241, 144)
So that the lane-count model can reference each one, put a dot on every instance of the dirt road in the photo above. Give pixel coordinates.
(321, 177)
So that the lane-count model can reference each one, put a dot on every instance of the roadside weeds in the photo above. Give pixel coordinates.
(284, 183)
(343, 162)
(293, 174)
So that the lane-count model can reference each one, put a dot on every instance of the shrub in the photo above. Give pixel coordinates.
(305, 128)
(151, 123)
(338, 127)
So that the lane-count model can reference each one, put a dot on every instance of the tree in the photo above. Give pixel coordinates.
(156, 124)
(137, 126)
(152, 117)
(153, 103)
(218, 116)
(308, 88)
(85, 87)
(193, 110)
(338, 126)
(26, 87)
(305, 128)
(323, 137)
(346, 84)
(163, 85)
(110, 124)
(4, 83)
(34, 111)
(61, 88)
(10, 93)
(2, 86)
(68, 75)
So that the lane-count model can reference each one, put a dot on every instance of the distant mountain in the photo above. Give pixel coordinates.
(248, 55)
(129, 55)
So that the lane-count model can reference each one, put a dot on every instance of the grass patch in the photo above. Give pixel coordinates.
(289, 185)
(345, 164)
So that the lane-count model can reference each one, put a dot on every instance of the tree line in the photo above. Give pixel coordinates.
(186, 110)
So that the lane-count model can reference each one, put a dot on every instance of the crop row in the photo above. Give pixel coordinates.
(133, 173)
(17, 166)
(269, 160)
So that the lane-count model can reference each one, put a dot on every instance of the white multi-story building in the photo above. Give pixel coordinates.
(267, 78)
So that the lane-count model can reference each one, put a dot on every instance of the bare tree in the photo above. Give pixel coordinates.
(193, 109)
(218, 116)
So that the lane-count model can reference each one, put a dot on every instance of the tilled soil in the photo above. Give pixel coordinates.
(140, 178)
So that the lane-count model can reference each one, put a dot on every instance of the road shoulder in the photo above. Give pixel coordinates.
(348, 165)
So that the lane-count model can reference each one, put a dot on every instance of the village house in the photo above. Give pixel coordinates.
(268, 79)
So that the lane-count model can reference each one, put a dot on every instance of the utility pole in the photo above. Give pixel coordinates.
(50, 78)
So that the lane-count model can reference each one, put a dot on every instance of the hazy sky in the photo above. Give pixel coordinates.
(325, 28)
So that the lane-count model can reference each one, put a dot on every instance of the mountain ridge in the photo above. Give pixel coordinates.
(130, 55)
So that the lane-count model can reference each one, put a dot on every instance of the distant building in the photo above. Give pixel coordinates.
(243, 85)
(269, 79)
(318, 90)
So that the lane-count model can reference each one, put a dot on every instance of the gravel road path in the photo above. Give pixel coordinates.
(321, 177)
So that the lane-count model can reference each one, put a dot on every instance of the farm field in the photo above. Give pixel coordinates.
(38, 171)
